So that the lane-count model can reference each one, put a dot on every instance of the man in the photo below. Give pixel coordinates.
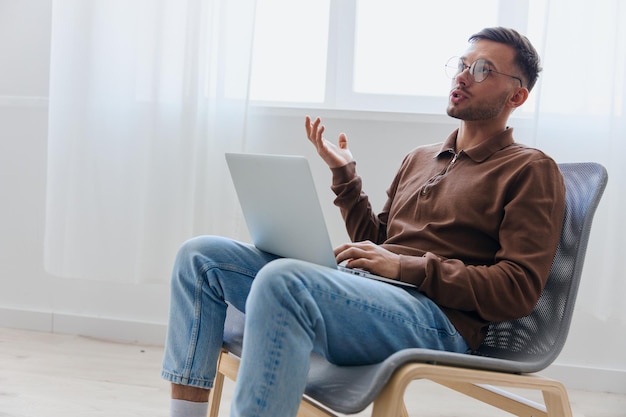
(473, 223)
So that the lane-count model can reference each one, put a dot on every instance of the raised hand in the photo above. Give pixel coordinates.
(334, 155)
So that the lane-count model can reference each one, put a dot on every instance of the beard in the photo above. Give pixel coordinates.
(479, 111)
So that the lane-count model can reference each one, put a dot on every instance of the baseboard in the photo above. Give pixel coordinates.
(572, 376)
(583, 378)
(124, 331)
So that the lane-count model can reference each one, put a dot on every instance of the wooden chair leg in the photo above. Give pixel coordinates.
(215, 397)
(390, 401)
(501, 399)
(473, 383)
(557, 401)
(228, 366)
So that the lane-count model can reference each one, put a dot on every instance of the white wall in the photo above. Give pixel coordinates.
(30, 298)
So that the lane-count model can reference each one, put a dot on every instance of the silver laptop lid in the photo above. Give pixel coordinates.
(281, 207)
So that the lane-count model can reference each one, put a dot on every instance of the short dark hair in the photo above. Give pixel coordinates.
(526, 56)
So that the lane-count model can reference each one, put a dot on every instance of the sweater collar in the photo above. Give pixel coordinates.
(483, 150)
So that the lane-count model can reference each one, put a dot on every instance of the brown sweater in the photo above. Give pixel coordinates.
(486, 222)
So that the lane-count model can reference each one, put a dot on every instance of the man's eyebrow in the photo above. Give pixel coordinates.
(464, 57)
(488, 61)
(491, 64)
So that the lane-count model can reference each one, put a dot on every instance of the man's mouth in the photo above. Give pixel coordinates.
(457, 96)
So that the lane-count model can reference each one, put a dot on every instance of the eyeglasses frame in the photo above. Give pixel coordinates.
(473, 65)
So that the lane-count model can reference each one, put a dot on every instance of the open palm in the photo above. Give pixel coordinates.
(334, 155)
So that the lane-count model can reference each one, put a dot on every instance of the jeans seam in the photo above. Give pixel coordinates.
(393, 315)
(180, 379)
(226, 267)
(204, 269)
(274, 359)
(195, 329)
(360, 303)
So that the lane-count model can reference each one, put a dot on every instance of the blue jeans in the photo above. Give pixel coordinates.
(292, 308)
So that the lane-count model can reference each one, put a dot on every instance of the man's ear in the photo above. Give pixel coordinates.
(519, 97)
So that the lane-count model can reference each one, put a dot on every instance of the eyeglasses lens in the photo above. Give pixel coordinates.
(454, 67)
(479, 68)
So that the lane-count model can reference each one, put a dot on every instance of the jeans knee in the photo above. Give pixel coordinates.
(279, 277)
(191, 257)
(200, 244)
(200, 250)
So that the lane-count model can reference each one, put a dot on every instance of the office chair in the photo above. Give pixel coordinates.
(510, 355)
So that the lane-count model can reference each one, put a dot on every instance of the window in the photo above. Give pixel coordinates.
(290, 51)
(369, 54)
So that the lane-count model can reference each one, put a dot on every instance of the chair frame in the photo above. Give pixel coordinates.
(475, 383)
(477, 377)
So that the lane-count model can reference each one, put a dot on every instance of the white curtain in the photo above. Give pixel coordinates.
(582, 117)
(147, 95)
(145, 98)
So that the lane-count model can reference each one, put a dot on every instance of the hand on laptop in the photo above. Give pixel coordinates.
(334, 155)
(369, 257)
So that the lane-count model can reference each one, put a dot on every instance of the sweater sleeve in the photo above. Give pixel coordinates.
(361, 222)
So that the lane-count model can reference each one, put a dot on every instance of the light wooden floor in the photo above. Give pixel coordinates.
(52, 375)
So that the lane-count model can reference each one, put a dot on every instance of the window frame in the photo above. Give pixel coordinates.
(339, 94)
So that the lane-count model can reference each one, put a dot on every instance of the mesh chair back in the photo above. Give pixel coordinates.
(539, 337)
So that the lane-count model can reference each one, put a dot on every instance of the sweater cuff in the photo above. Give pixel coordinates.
(412, 269)
(344, 174)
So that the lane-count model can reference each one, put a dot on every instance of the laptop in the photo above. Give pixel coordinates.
(282, 210)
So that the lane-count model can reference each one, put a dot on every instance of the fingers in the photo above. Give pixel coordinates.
(351, 251)
(314, 130)
(343, 141)
(307, 126)
(370, 257)
(334, 155)
(341, 253)
(339, 250)
(357, 262)
(312, 127)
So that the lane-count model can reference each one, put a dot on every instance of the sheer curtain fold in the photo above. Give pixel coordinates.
(582, 117)
(139, 122)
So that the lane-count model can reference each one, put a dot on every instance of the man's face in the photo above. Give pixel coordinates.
(481, 101)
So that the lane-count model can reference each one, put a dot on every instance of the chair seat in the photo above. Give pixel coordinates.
(350, 389)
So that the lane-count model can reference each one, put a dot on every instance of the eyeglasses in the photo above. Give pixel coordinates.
(479, 69)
